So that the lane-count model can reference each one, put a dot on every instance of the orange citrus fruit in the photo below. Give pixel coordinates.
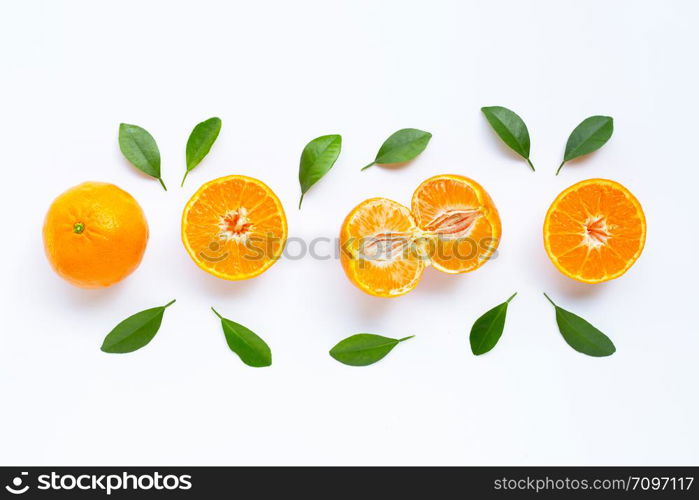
(385, 247)
(376, 254)
(594, 231)
(461, 218)
(234, 227)
(95, 235)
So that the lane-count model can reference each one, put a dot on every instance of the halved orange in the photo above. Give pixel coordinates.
(234, 227)
(376, 253)
(594, 231)
(385, 248)
(460, 218)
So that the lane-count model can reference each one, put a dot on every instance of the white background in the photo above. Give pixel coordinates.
(280, 74)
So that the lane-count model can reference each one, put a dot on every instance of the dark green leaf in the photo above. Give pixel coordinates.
(135, 331)
(487, 329)
(317, 158)
(139, 147)
(401, 146)
(581, 335)
(510, 128)
(364, 349)
(252, 350)
(200, 141)
(589, 136)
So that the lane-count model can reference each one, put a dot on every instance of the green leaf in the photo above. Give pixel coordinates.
(139, 147)
(364, 349)
(317, 158)
(402, 146)
(487, 330)
(200, 141)
(135, 331)
(589, 136)
(511, 129)
(581, 335)
(252, 350)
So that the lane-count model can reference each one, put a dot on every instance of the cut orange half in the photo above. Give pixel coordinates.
(385, 247)
(234, 227)
(459, 219)
(376, 248)
(594, 231)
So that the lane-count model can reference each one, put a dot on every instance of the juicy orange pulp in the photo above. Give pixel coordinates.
(594, 231)
(234, 227)
(95, 235)
(375, 253)
(385, 247)
(461, 218)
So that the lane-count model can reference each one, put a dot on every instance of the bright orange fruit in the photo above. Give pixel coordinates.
(594, 231)
(376, 248)
(234, 227)
(385, 247)
(461, 218)
(95, 235)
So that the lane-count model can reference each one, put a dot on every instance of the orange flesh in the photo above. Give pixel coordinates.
(594, 231)
(234, 227)
(376, 252)
(461, 216)
(454, 226)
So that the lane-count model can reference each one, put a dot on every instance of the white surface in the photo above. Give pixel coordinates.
(280, 74)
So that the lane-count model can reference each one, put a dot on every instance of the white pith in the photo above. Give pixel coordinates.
(235, 225)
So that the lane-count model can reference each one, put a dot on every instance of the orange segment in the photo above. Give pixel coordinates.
(234, 227)
(594, 231)
(459, 219)
(376, 248)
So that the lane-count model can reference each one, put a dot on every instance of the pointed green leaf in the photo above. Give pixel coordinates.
(139, 147)
(511, 129)
(581, 335)
(487, 330)
(200, 141)
(589, 136)
(364, 349)
(401, 146)
(317, 158)
(135, 331)
(252, 350)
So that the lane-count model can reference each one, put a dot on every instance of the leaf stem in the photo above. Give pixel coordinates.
(549, 299)
(184, 178)
(370, 165)
(512, 297)
(406, 338)
(162, 183)
(301, 200)
(560, 167)
(169, 303)
(216, 313)
(530, 164)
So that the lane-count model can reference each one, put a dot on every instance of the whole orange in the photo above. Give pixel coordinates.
(95, 235)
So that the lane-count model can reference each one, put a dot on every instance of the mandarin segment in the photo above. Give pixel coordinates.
(467, 253)
(594, 231)
(441, 193)
(234, 227)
